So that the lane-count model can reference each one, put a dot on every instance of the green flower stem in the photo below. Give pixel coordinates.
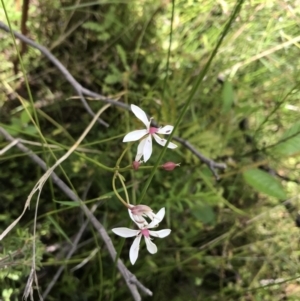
(121, 157)
(122, 180)
(115, 190)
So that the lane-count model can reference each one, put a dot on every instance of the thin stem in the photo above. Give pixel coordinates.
(124, 186)
(115, 190)
(122, 155)
(169, 49)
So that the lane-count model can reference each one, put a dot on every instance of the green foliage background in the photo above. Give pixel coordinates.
(232, 239)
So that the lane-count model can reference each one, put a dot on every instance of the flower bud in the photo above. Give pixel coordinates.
(136, 165)
(169, 166)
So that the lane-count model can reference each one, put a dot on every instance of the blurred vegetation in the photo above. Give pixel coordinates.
(232, 239)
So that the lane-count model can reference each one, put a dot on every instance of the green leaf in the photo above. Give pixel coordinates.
(25, 118)
(15, 127)
(291, 132)
(104, 36)
(122, 55)
(291, 145)
(227, 97)
(93, 26)
(264, 183)
(30, 129)
(204, 213)
(16, 123)
(112, 79)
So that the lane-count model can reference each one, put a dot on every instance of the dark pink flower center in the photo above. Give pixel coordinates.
(145, 232)
(153, 130)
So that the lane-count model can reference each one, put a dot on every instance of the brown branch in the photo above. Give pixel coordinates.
(212, 165)
(130, 279)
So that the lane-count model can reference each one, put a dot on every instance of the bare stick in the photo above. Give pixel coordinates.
(130, 279)
(83, 91)
(7, 147)
(210, 163)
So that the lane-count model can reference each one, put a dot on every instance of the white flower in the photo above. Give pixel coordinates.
(145, 146)
(143, 231)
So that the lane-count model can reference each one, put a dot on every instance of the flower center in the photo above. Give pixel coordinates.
(145, 232)
(153, 130)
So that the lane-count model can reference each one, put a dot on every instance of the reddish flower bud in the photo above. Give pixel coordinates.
(169, 166)
(136, 165)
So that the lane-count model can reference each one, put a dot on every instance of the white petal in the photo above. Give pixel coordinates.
(138, 157)
(158, 218)
(163, 142)
(142, 223)
(141, 115)
(134, 249)
(147, 150)
(172, 145)
(161, 233)
(135, 135)
(131, 215)
(166, 130)
(140, 150)
(125, 232)
(151, 247)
